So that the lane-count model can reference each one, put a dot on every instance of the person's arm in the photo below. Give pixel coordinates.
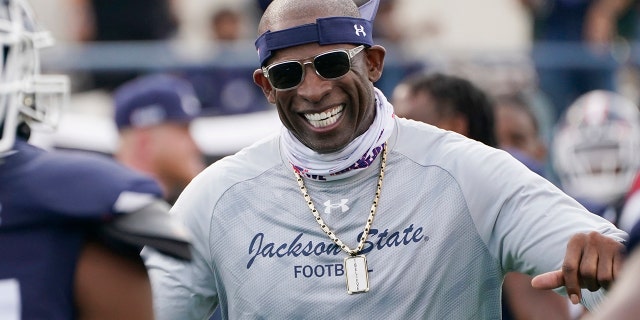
(187, 289)
(534, 228)
(84, 20)
(111, 286)
(111, 279)
(526, 302)
(600, 25)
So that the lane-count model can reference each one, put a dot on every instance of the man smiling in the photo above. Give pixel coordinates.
(455, 219)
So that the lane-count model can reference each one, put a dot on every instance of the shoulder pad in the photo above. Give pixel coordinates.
(151, 226)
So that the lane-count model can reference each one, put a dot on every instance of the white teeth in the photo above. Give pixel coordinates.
(324, 119)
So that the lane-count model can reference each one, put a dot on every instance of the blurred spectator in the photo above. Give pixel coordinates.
(447, 102)
(225, 90)
(518, 132)
(596, 151)
(226, 24)
(596, 155)
(385, 28)
(127, 20)
(456, 104)
(124, 20)
(71, 224)
(226, 86)
(153, 114)
(590, 25)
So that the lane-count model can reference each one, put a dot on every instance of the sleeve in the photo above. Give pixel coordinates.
(92, 187)
(187, 290)
(524, 219)
(118, 206)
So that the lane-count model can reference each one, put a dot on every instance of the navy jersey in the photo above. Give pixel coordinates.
(50, 202)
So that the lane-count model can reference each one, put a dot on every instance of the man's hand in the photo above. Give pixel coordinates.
(592, 261)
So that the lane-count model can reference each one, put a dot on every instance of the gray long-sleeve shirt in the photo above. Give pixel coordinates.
(454, 216)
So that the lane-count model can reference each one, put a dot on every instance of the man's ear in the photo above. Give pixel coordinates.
(375, 62)
(263, 83)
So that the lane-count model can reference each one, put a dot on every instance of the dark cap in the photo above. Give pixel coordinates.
(155, 99)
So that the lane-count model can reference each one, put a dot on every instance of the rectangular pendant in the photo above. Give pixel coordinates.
(357, 274)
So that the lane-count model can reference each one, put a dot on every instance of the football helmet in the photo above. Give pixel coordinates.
(26, 96)
(596, 147)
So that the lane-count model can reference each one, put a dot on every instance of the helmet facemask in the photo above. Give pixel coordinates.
(596, 148)
(26, 96)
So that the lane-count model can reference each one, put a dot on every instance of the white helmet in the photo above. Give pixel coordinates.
(26, 97)
(596, 147)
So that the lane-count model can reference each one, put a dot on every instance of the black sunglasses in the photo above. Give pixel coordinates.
(330, 65)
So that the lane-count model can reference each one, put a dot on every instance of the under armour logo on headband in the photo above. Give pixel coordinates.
(359, 30)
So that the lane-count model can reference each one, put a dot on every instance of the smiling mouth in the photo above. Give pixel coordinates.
(324, 119)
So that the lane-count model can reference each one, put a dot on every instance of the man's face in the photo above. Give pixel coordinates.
(515, 129)
(326, 115)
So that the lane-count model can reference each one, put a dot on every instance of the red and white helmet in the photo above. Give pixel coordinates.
(26, 96)
(596, 147)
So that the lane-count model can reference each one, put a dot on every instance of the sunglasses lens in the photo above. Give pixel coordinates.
(286, 75)
(332, 65)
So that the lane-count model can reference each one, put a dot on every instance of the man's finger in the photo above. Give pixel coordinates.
(571, 267)
(552, 280)
(549, 280)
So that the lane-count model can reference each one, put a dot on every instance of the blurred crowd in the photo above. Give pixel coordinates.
(554, 83)
(551, 50)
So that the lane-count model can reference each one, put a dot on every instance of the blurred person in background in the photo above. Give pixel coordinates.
(222, 81)
(456, 104)
(385, 28)
(123, 20)
(127, 20)
(596, 151)
(447, 102)
(518, 132)
(593, 27)
(71, 224)
(153, 114)
(226, 24)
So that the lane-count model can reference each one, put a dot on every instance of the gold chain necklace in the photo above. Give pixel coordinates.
(356, 270)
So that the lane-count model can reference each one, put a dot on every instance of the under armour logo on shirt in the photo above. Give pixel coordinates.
(359, 30)
(328, 206)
